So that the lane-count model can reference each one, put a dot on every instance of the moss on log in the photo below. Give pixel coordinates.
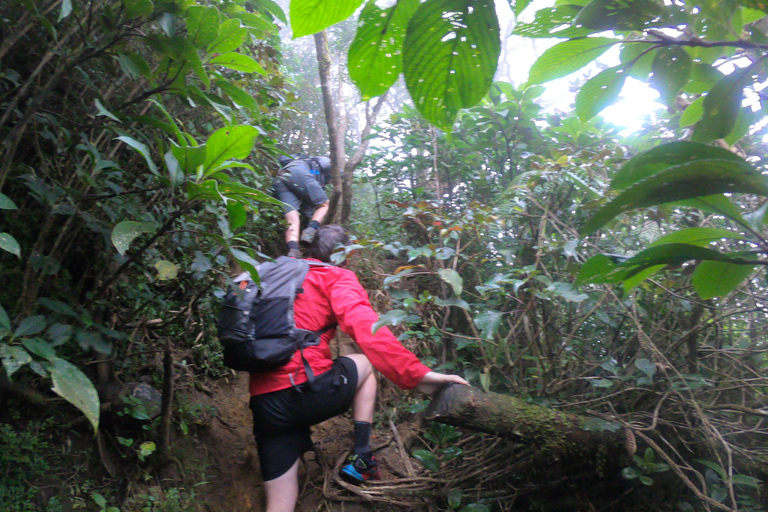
(508, 416)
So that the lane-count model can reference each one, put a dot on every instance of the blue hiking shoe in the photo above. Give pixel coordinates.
(357, 471)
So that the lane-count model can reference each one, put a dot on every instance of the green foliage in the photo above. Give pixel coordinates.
(23, 459)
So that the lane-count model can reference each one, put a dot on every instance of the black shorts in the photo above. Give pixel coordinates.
(298, 189)
(281, 419)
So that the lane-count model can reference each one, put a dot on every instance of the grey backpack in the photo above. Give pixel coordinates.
(256, 325)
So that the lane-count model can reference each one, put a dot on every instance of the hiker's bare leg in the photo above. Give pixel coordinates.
(365, 396)
(321, 212)
(283, 491)
(294, 226)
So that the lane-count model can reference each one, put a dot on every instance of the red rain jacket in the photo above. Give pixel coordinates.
(333, 295)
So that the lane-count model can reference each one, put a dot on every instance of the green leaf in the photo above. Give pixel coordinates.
(749, 481)
(692, 113)
(600, 15)
(92, 340)
(166, 270)
(142, 149)
(568, 57)
(685, 181)
(237, 95)
(40, 348)
(553, 22)
(72, 385)
(60, 333)
(639, 58)
(744, 122)
(600, 269)
(138, 8)
(9, 244)
(5, 321)
(104, 112)
(703, 78)
(600, 91)
(237, 215)
(566, 291)
(646, 480)
(647, 367)
(601, 383)
(375, 56)
(717, 468)
(66, 9)
(13, 358)
(58, 307)
(630, 473)
(671, 67)
(698, 236)
(453, 301)
(274, 9)
(718, 204)
(488, 322)
(30, 326)
(228, 143)
(677, 254)
(238, 62)
(450, 55)
(189, 157)
(230, 37)
(721, 107)
(718, 278)
(6, 203)
(454, 498)
(245, 261)
(392, 317)
(127, 231)
(312, 16)
(427, 459)
(453, 278)
(202, 25)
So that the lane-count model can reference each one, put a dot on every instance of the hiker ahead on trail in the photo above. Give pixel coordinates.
(299, 185)
(285, 404)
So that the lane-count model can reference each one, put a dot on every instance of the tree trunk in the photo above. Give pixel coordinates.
(556, 432)
(336, 139)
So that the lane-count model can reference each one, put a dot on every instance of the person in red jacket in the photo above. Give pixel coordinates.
(285, 404)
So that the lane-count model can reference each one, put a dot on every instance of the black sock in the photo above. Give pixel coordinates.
(362, 437)
(314, 224)
(293, 245)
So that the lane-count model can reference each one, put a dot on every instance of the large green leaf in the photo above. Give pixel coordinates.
(5, 321)
(677, 254)
(718, 278)
(9, 244)
(189, 157)
(238, 62)
(375, 56)
(138, 8)
(671, 67)
(639, 58)
(13, 358)
(568, 57)
(142, 149)
(237, 95)
(721, 107)
(230, 37)
(686, 181)
(718, 204)
(76, 388)
(228, 143)
(202, 25)
(450, 55)
(661, 157)
(692, 112)
(553, 22)
(127, 231)
(312, 16)
(600, 91)
(488, 322)
(599, 15)
(698, 236)
(453, 278)
(6, 203)
(30, 326)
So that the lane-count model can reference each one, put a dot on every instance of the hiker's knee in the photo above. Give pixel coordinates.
(363, 366)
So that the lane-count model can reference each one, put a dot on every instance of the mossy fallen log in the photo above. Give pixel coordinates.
(507, 416)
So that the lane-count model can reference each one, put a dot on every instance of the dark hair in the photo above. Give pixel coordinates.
(326, 240)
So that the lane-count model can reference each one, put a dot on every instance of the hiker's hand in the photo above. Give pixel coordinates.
(434, 381)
